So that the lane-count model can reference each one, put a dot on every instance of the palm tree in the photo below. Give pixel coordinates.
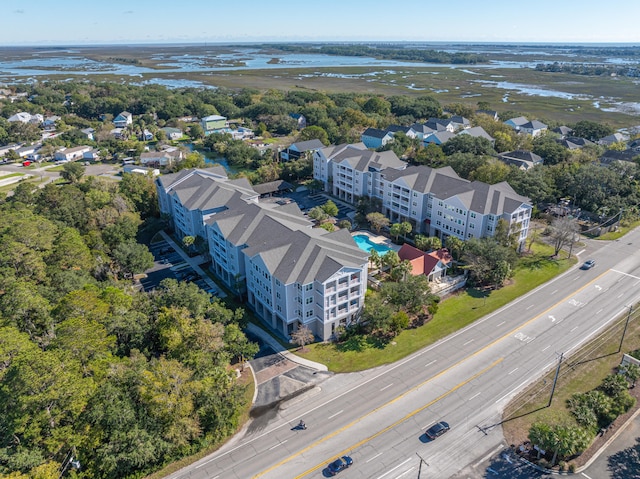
(541, 435)
(569, 440)
(421, 242)
(455, 246)
(405, 228)
(374, 257)
(631, 372)
(614, 384)
(395, 230)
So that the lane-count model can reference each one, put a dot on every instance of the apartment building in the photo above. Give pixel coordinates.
(437, 202)
(292, 274)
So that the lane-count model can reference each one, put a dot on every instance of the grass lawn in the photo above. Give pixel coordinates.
(622, 230)
(454, 313)
(10, 175)
(581, 372)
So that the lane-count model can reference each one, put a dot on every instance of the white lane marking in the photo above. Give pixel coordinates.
(473, 397)
(573, 329)
(585, 475)
(513, 371)
(621, 295)
(554, 291)
(500, 324)
(387, 386)
(468, 342)
(529, 307)
(625, 274)
(399, 465)
(576, 278)
(405, 473)
(278, 445)
(599, 311)
(339, 412)
(430, 363)
(377, 455)
(546, 348)
(552, 319)
(580, 252)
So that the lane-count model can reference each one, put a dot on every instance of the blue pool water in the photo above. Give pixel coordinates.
(365, 244)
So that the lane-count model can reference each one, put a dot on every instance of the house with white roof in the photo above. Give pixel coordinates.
(24, 117)
(478, 132)
(71, 154)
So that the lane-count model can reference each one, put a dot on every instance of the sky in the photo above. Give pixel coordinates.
(75, 22)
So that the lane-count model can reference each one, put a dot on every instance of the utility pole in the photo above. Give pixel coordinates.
(555, 380)
(625, 328)
(421, 461)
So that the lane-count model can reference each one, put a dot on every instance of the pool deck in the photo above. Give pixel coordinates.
(378, 239)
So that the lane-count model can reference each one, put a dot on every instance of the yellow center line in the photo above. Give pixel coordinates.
(441, 373)
(364, 441)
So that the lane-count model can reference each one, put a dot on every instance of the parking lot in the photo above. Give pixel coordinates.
(170, 263)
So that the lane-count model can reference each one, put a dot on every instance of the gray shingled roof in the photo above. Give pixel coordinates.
(522, 155)
(360, 160)
(421, 178)
(308, 145)
(375, 133)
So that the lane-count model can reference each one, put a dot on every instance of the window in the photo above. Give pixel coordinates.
(472, 214)
(309, 300)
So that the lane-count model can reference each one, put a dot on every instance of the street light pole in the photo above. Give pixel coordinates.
(420, 467)
(625, 328)
(555, 380)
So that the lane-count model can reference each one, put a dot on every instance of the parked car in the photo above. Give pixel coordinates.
(339, 464)
(590, 263)
(437, 430)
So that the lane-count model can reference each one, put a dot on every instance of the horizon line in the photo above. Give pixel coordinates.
(321, 42)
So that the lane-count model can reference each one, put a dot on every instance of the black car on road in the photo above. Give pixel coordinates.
(339, 464)
(437, 430)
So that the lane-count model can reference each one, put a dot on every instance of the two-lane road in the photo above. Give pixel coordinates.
(379, 416)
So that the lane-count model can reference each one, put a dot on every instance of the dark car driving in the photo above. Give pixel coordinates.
(339, 464)
(437, 430)
(590, 263)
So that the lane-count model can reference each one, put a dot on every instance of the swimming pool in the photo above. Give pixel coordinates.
(365, 244)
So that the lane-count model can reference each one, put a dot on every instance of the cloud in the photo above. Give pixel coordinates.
(128, 12)
(20, 12)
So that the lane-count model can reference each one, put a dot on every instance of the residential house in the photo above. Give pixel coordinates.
(119, 133)
(421, 131)
(478, 132)
(433, 265)
(611, 139)
(533, 128)
(146, 135)
(459, 122)
(574, 142)
(440, 124)
(214, 124)
(301, 121)
(375, 138)
(123, 120)
(242, 133)
(91, 155)
(161, 158)
(517, 122)
(140, 170)
(611, 156)
(49, 123)
(25, 151)
(438, 137)
(173, 134)
(88, 132)
(563, 131)
(71, 154)
(634, 145)
(24, 117)
(11, 147)
(301, 149)
(522, 159)
(393, 129)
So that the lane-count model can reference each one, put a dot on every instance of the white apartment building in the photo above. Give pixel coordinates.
(292, 274)
(352, 171)
(189, 197)
(437, 202)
